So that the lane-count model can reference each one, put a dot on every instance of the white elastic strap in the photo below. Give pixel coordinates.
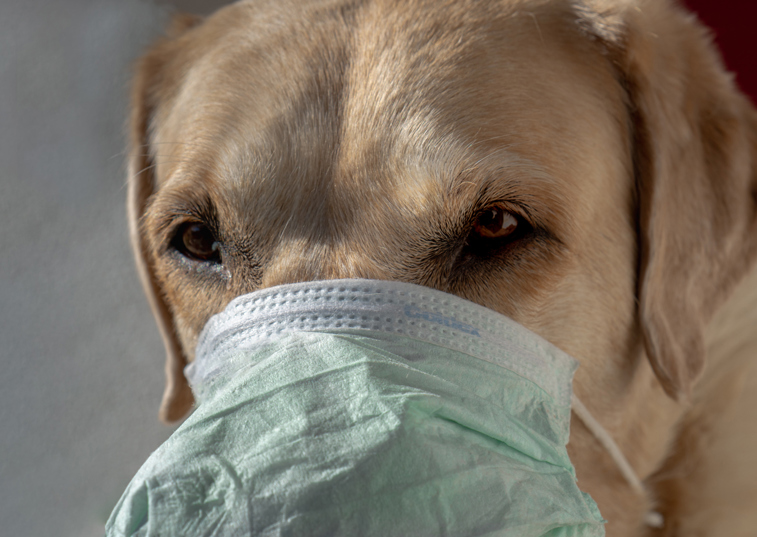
(652, 518)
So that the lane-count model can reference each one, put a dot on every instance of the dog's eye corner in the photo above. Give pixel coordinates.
(195, 241)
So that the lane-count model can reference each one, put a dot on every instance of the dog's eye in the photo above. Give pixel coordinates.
(494, 231)
(196, 241)
(495, 223)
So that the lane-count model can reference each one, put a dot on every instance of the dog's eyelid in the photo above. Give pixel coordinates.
(172, 211)
(173, 206)
(170, 224)
(517, 208)
(179, 221)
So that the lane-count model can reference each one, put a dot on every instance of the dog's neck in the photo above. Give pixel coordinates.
(709, 470)
(666, 442)
(642, 423)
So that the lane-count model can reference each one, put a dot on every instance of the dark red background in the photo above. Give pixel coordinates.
(734, 23)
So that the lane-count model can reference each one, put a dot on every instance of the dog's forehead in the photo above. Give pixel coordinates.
(387, 98)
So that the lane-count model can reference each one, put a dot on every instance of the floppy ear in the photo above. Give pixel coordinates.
(695, 140)
(149, 88)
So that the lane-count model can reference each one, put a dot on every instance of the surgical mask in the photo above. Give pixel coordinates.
(362, 408)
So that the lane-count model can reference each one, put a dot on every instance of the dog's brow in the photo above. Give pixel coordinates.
(504, 176)
(500, 171)
(177, 205)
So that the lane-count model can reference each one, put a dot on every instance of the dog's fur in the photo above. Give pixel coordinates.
(350, 138)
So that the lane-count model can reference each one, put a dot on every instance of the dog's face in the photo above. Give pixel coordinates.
(491, 160)
(507, 152)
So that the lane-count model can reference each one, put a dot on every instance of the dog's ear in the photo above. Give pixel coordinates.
(695, 147)
(149, 88)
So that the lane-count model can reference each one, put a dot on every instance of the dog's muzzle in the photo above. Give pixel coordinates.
(360, 407)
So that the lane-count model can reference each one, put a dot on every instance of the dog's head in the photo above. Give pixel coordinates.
(585, 168)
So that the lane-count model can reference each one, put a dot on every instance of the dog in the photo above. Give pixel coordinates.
(586, 168)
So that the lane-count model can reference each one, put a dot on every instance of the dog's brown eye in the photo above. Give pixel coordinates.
(495, 235)
(197, 242)
(495, 223)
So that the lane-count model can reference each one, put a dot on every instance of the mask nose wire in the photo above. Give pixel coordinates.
(652, 518)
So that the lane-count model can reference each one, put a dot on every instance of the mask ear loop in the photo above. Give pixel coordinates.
(652, 518)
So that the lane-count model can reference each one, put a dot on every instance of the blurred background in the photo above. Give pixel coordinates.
(81, 372)
(81, 362)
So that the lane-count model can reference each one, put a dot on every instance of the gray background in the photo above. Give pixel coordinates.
(81, 371)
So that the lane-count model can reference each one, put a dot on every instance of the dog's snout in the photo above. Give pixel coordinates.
(301, 262)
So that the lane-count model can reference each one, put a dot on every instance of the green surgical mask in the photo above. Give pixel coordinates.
(366, 408)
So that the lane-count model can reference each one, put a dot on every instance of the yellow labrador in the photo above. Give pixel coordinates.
(586, 168)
